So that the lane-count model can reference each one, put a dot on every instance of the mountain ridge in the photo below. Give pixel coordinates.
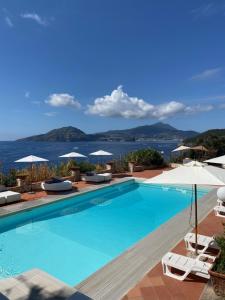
(161, 131)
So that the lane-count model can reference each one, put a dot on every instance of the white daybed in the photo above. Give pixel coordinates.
(9, 197)
(58, 186)
(103, 177)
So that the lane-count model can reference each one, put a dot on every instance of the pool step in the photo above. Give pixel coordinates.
(35, 284)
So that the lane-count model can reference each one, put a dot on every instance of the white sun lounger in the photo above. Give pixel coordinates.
(186, 264)
(220, 211)
(65, 185)
(203, 240)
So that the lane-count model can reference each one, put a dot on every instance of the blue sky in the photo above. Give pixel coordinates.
(110, 64)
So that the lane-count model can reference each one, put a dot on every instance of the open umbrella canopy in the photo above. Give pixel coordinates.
(73, 155)
(101, 153)
(31, 159)
(191, 173)
(200, 148)
(181, 148)
(217, 160)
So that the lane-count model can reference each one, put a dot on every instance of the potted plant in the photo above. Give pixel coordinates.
(217, 273)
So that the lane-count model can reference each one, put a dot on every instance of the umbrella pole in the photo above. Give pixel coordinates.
(31, 179)
(196, 221)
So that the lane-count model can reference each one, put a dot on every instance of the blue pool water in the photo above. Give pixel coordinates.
(73, 238)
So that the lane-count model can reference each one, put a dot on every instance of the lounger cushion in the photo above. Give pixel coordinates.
(53, 180)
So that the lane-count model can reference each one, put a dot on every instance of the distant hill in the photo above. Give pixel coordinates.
(213, 139)
(64, 134)
(161, 131)
(206, 136)
(158, 131)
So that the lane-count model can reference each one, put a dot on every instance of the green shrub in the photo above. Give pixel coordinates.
(10, 178)
(86, 166)
(146, 157)
(219, 265)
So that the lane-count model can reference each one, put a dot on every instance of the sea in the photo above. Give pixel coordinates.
(11, 151)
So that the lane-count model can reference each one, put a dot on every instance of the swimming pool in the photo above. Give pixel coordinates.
(73, 238)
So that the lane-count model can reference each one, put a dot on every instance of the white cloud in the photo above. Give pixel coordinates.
(209, 9)
(35, 17)
(207, 74)
(168, 109)
(7, 17)
(9, 21)
(199, 108)
(119, 104)
(50, 114)
(63, 100)
(205, 10)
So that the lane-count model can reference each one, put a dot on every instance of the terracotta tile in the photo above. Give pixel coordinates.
(156, 281)
(136, 298)
(135, 292)
(163, 293)
(146, 281)
(149, 293)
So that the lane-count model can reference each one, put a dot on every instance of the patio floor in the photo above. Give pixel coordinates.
(156, 286)
(81, 184)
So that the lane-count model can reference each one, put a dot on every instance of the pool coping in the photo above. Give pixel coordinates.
(116, 278)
